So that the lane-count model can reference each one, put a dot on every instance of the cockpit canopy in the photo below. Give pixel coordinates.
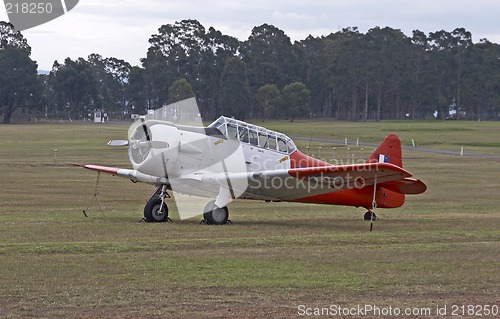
(254, 135)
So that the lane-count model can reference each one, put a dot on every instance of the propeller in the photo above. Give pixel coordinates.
(141, 143)
(119, 143)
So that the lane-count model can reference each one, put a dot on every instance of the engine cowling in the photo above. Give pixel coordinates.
(154, 147)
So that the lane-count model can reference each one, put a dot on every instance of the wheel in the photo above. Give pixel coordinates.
(368, 216)
(152, 211)
(214, 215)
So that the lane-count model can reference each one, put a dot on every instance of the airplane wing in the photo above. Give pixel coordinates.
(289, 184)
(133, 175)
(285, 184)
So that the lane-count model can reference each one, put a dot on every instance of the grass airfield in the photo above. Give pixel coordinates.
(441, 248)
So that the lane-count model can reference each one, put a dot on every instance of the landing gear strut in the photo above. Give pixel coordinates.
(156, 210)
(213, 215)
(370, 212)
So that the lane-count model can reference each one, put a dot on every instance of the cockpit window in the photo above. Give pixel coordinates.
(282, 145)
(253, 137)
(232, 132)
(253, 134)
(263, 140)
(222, 129)
(272, 143)
(243, 132)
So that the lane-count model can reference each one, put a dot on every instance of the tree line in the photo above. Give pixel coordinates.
(347, 75)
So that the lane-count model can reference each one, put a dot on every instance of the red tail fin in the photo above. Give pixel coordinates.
(389, 151)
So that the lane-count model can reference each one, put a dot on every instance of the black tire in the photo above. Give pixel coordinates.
(152, 211)
(368, 216)
(214, 215)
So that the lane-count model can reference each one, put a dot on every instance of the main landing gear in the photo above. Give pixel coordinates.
(213, 215)
(156, 210)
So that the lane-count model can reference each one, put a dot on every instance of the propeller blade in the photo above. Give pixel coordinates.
(152, 144)
(145, 128)
(118, 143)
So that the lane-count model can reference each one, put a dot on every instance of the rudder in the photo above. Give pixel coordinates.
(389, 151)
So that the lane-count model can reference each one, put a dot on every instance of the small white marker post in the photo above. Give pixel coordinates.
(462, 151)
(345, 141)
(413, 142)
(55, 155)
(319, 152)
(357, 141)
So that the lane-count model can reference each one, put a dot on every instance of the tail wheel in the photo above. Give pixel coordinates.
(153, 213)
(214, 215)
(368, 216)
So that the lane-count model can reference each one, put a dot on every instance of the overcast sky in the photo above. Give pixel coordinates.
(122, 28)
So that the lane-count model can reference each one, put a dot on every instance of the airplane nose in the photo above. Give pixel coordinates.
(153, 145)
(139, 143)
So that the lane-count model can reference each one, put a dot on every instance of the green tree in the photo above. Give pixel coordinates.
(316, 51)
(137, 90)
(481, 81)
(234, 90)
(296, 98)
(347, 71)
(111, 75)
(186, 50)
(270, 56)
(19, 86)
(443, 48)
(217, 48)
(387, 69)
(268, 97)
(75, 87)
(418, 88)
(11, 38)
(179, 90)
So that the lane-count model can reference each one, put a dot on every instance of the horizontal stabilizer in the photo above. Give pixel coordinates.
(406, 186)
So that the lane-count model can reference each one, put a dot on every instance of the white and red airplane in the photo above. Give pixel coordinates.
(233, 159)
